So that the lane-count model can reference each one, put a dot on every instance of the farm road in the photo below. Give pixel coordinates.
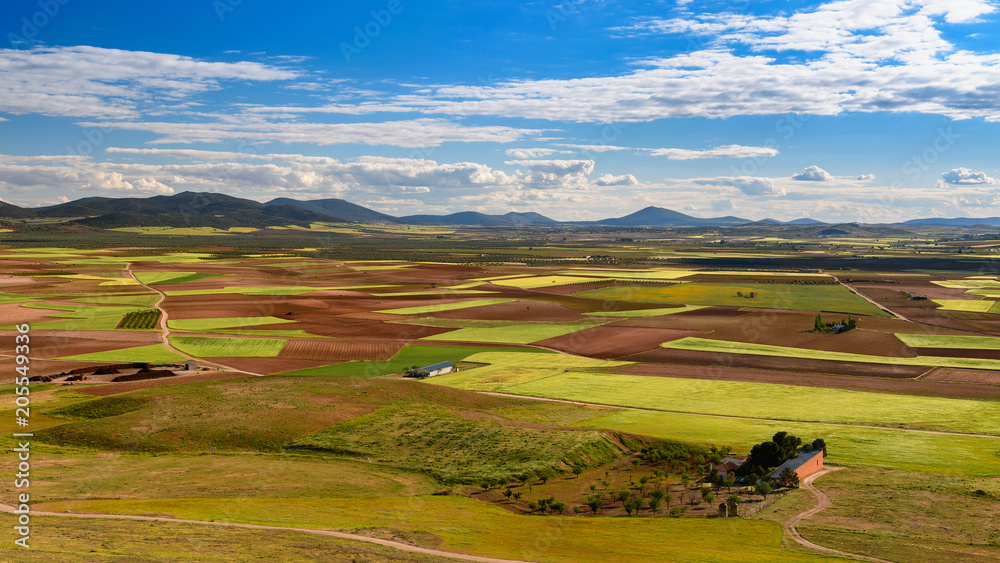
(345, 536)
(165, 330)
(822, 503)
(942, 432)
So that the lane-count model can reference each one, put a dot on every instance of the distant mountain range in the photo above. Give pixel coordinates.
(195, 209)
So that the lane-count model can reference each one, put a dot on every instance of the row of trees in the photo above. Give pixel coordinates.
(842, 326)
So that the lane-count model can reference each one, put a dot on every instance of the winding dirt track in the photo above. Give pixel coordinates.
(165, 330)
(822, 503)
(387, 543)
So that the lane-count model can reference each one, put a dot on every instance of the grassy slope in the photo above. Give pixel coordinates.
(833, 298)
(473, 527)
(728, 347)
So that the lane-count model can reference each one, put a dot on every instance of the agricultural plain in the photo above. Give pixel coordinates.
(297, 412)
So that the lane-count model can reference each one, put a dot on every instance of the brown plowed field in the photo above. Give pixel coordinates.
(711, 360)
(50, 347)
(905, 327)
(515, 311)
(344, 350)
(116, 335)
(959, 353)
(857, 341)
(922, 387)
(976, 376)
(363, 329)
(613, 342)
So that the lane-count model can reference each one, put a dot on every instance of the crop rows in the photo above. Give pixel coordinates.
(140, 320)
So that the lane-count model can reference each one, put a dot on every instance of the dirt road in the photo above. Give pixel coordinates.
(330, 533)
(822, 502)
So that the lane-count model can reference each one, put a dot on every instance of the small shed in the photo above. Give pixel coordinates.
(804, 464)
(439, 368)
(727, 465)
(190, 366)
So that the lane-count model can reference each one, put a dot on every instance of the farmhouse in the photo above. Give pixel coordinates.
(440, 368)
(804, 464)
(728, 465)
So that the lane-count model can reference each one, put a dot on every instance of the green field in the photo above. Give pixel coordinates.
(211, 347)
(140, 320)
(834, 298)
(728, 347)
(212, 324)
(153, 353)
(648, 312)
(631, 274)
(445, 306)
(524, 333)
(768, 401)
(971, 456)
(950, 341)
(970, 305)
(82, 317)
(166, 278)
(454, 448)
(411, 355)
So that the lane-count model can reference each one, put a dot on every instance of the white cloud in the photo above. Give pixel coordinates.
(866, 177)
(813, 174)
(413, 133)
(555, 167)
(112, 83)
(532, 153)
(726, 151)
(747, 184)
(966, 176)
(612, 180)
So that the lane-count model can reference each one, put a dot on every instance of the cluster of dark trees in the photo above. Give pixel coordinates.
(836, 328)
(766, 456)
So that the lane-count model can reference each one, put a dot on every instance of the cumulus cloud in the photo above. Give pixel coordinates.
(813, 174)
(866, 177)
(727, 151)
(592, 148)
(966, 176)
(612, 180)
(555, 167)
(116, 182)
(747, 184)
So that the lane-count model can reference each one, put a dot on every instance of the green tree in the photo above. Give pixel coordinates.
(732, 502)
(763, 488)
(654, 504)
(789, 477)
(577, 470)
(557, 507)
(708, 498)
(517, 497)
(668, 498)
(594, 503)
(818, 325)
(622, 496)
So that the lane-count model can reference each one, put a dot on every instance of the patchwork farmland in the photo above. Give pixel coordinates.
(577, 383)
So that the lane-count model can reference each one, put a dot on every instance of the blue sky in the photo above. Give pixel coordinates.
(874, 110)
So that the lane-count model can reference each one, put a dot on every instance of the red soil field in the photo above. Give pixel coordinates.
(515, 311)
(40, 367)
(613, 342)
(713, 360)
(50, 347)
(316, 349)
(365, 329)
(976, 376)
(922, 387)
